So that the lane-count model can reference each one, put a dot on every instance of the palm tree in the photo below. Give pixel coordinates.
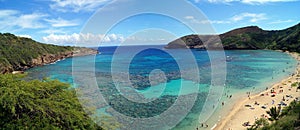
(262, 122)
(287, 109)
(274, 113)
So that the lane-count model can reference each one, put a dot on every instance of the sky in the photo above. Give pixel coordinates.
(138, 22)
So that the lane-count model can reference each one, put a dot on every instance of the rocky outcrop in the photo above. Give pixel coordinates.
(48, 59)
(51, 58)
(82, 51)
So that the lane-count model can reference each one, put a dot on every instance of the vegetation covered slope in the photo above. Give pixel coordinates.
(251, 37)
(38, 104)
(287, 118)
(18, 53)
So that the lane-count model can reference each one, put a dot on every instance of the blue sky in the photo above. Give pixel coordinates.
(65, 22)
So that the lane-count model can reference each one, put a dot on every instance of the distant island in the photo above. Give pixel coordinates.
(19, 53)
(247, 38)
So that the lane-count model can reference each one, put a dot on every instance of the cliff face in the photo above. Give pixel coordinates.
(48, 58)
(250, 38)
(51, 58)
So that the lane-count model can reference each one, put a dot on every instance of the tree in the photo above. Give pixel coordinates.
(288, 119)
(47, 104)
(262, 122)
(274, 113)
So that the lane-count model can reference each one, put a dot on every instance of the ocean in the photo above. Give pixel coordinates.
(149, 87)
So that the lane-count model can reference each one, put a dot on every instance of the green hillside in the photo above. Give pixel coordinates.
(251, 37)
(18, 53)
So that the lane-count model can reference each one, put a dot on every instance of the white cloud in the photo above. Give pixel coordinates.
(53, 31)
(62, 22)
(252, 2)
(281, 21)
(82, 39)
(77, 5)
(5, 13)
(247, 17)
(219, 22)
(252, 17)
(189, 17)
(30, 20)
(88, 39)
(10, 19)
(197, 21)
(14, 21)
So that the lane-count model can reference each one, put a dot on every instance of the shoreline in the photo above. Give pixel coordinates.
(53, 58)
(240, 114)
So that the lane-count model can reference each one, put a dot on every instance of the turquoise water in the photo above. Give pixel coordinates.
(154, 79)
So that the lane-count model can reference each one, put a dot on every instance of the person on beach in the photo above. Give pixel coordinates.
(256, 118)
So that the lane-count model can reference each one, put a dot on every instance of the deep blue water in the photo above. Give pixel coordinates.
(157, 75)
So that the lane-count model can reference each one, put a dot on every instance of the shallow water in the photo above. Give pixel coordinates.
(146, 83)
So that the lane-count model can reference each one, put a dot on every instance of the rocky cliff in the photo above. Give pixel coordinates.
(51, 58)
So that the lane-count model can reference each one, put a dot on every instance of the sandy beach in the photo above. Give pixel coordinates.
(253, 107)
